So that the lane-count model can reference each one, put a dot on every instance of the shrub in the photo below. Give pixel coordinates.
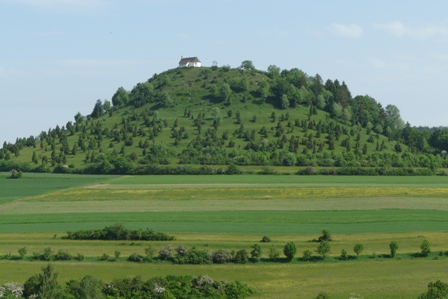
(326, 236)
(117, 254)
(265, 239)
(221, 256)
(324, 249)
(393, 248)
(195, 257)
(425, 247)
(136, 258)
(256, 252)
(241, 257)
(322, 295)
(22, 252)
(307, 255)
(79, 257)
(233, 169)
(344, 255)
(273, 253)
(290, 250)
(358, 249)
(237, 290)
(150, 251)
(104, 257)
(62, 256)
(181, 251)
(166, 253)
(436, 290)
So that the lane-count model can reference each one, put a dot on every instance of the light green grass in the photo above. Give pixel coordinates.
(304, 181)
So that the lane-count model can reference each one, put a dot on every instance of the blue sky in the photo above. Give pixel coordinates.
(57, 57)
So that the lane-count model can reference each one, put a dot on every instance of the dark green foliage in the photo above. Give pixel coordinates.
(45, 285)
(307, 255)
(22, 252)
(265, 239)
(136, 258)
(322, 295)
(62, 255)
(290, 251)
(344, 255)
(358, 249)
(436, 290)
(425, 247)
(195, 257)
(118, 232)
(87, 288)
(256, 252)
(326, 236)
(221, 256)
(393, 246)
(324, 249)
(241, 257)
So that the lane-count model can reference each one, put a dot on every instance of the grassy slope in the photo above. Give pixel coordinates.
(190, 88)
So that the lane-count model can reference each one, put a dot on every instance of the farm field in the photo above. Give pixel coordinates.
(235, 212)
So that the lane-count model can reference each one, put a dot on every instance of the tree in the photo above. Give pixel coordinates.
(326, 236)
(324, 249)
(285, 102)
(22, 252)
(247, 65)
(290, 251)
(393, 248)
(344, 255)
(98, 109)
(307, 255)
(425, 247)
(45, 285)
(358, 249)
(393, 117)
(436, 290)
(256, 252)
(241, 257)
(166, 100)
(273, 71)
(224, 92)
(121, 97)
(88, 288)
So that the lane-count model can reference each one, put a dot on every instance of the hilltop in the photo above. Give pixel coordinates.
(229, 116)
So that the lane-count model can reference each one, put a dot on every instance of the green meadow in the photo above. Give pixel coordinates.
(235, 212)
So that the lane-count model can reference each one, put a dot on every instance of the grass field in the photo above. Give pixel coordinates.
(235, 212)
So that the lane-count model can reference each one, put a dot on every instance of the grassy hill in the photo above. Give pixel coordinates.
(222, 116)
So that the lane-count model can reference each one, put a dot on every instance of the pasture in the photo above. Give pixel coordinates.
(235, 212)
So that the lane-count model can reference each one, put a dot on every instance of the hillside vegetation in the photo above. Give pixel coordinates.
(222, 116)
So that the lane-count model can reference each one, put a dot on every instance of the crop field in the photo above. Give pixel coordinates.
(235, 212)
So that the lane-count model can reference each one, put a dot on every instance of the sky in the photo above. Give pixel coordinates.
(58, 57)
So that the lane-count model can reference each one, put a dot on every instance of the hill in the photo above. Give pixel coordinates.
(223, 116)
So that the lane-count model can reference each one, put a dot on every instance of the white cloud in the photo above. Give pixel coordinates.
(8, 72)
(56, 2)
(398, 29)
(377, 63)
(97, 63)
(274, 33)
(347, 31)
